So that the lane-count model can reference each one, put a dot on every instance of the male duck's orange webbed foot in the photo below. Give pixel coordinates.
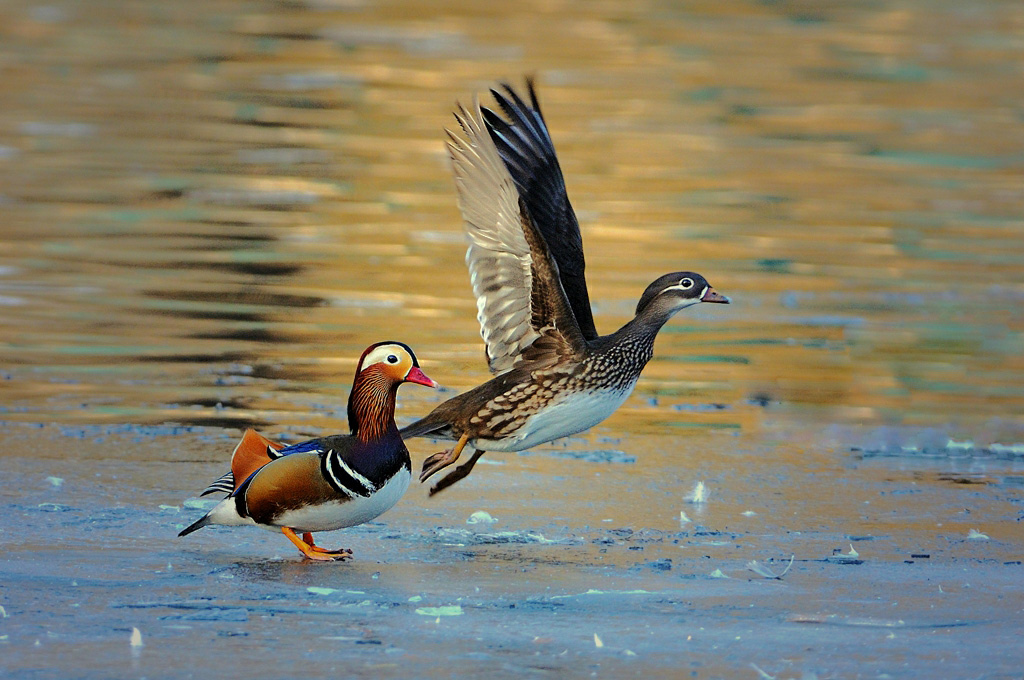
(457, 474)
(314, 552)
(439, 461)
(308, 539)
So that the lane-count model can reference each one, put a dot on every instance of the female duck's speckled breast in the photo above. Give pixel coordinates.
(569, 413)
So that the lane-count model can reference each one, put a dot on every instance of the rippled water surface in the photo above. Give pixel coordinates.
(208, 210)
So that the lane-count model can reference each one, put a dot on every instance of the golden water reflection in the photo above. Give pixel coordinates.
(211, 209)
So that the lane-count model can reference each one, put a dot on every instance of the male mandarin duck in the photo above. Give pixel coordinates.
(555, 376)
(330, 482)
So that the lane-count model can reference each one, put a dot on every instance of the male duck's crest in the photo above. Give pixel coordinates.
(380, 370)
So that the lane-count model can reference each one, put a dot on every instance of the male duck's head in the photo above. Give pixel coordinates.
(396, 361)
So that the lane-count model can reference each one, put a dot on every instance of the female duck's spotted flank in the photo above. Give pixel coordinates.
(331, 482)
(555, 376)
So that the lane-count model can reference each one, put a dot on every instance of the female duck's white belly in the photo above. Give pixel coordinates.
(573, 413)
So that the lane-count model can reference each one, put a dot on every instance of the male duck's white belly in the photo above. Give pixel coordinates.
(338, 514)
(572, 413)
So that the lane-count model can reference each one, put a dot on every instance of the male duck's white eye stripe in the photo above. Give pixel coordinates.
(390, 354)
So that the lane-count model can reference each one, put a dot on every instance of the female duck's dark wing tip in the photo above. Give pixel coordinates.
(525, 115)
(525, 147)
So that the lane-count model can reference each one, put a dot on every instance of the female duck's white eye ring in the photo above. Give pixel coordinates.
(686, 284)
(392, 359)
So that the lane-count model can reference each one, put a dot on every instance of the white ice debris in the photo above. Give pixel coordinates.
(699, 494)
(764, 571)
(1003, 449)
(839, 557)
(592, 591)
(447, 610)
(481, 517)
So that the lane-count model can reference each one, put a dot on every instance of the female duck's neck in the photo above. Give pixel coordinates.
(643, 328)
(371, 406)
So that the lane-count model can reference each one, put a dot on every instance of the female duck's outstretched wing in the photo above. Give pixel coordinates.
(523, 312)
(525, 146)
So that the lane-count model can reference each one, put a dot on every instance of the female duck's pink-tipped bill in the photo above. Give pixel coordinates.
(417, 376)
(712, 295)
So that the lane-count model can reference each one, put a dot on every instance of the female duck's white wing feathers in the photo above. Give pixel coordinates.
(519, 296)
(498, 256)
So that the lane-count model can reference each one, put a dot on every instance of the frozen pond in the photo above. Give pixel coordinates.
(208, 210)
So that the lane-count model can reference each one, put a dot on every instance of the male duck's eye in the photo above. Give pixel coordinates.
(686, 283)
(392, 359)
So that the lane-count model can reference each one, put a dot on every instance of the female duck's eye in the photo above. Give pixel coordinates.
(686, 283)
(392, 359)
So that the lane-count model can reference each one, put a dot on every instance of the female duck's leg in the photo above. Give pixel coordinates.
(457, 474)
(440, 461)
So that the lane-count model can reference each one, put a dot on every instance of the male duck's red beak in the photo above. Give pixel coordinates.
(417, 376)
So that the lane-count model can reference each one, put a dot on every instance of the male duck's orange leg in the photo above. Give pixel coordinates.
(308, 550)
(457, 474)
(440, 461)
(308, 538)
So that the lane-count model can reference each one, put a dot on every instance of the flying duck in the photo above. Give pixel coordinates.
(554, 374)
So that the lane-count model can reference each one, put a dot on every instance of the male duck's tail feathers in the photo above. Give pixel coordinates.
(198, 524)
(224, 484)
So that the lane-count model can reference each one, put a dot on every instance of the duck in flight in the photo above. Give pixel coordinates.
(554, 375)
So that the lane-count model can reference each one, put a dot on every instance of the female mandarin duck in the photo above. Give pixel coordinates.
(331, 482)
(555, 375)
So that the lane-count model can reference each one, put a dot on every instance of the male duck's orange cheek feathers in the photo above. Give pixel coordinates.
(250, 455)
